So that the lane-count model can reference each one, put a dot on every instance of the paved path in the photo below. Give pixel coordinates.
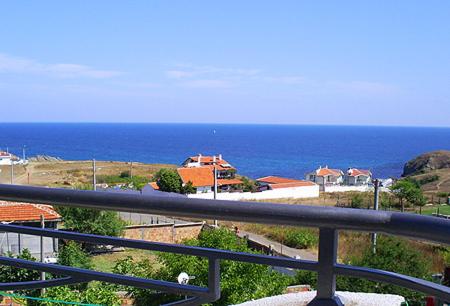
(278, 247)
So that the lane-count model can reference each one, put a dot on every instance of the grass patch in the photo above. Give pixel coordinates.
(106, 262)
(443, 210)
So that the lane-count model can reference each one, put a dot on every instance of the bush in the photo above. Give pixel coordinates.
(301, 238)
(357, 201)
(168, 180)
(73, 255)
(239, 281)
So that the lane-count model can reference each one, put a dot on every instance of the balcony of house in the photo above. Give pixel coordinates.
(329, 220)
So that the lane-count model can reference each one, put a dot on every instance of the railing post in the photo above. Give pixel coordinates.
(326, 281)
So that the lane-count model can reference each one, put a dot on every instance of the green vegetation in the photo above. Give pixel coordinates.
(443, 209)
(239, 281)
(393, 254)
(124, 178)
(169, 180)
(106, 262)
(357, 200)
(96, 293)
(248, 185)
(92, 221)
(408, 191)
(72, 254)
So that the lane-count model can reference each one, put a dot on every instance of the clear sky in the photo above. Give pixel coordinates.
(301, 62)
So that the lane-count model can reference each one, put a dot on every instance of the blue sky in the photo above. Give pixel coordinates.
(287, 62)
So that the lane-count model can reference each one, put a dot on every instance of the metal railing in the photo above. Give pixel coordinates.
(329, 220)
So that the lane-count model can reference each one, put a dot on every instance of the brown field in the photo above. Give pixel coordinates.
(71, 173)
(441, 185)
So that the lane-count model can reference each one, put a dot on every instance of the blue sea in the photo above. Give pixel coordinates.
(255, 150)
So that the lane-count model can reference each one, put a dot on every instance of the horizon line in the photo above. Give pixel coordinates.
(228, 123)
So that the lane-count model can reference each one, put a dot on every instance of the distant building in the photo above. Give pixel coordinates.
(276, 182)
(224, 169)
(357, 177)
(199, 170)
(326, 176)
(5, 158)
(30, 215)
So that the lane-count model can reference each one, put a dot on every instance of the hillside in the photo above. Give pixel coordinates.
(70, 173)
(427, 162)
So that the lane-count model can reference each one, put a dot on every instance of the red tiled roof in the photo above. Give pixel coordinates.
(154, 185)
(222, 164)
(222, 182)
(198, 176)
(275, 180)
(292, 184)
(21, 212)
(327, 172)
(358, 172)
(3, 153)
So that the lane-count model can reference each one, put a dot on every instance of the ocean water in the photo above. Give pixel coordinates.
(256, 150)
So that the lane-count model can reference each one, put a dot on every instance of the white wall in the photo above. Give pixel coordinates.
(294, 192)
(345, 188)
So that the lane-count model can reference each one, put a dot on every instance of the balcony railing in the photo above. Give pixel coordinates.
(329, 220)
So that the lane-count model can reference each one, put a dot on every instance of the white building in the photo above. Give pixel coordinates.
(357, 177)
(5, 158)
(326, 176)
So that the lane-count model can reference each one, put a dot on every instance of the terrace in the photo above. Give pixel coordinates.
(329, 220)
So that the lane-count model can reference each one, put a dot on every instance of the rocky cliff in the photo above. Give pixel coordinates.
(427, 162)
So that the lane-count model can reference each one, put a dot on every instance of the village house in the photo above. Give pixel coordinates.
(357, 177)
(202, 179)
(326, 176)
(29, 215)
(5, 158)
(224, 169)
(199, 170)
(277, 182)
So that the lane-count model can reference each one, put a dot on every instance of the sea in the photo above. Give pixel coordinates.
(255, 150)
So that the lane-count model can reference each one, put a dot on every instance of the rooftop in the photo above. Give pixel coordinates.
(26, 212)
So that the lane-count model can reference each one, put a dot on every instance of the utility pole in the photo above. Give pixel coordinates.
(42, 250)
(376, 195)
(131, 169)
(215, 186)
(23, 153)
(12, 172)
(94, 179)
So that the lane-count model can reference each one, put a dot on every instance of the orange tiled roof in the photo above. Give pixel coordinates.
(198, 176)
(21, 212)
(275, 180)
(222, 182)
(358, 172)
(298, 183)
(222, 164)
(154, 185)
(327, 171)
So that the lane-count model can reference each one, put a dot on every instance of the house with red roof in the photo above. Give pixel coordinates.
(30, 215)
(326, 176)
(202, 179)
(277, 182)
(357, 177)
(224, 169)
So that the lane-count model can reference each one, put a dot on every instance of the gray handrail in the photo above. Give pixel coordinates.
(328, 219)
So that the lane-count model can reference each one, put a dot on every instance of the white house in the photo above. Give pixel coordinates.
(326, 176)
(5, 158)
(357, 177)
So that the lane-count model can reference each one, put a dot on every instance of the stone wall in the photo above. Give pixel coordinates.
(168, 233)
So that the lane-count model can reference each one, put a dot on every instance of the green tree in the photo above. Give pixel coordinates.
(168, 180)
(73, 255)
(357, 201)
(92, 221)
(393, 254)
(248, 185)
(406, 190)
(188, 188)
(239, 281)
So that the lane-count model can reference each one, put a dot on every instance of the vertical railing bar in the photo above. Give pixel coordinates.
(326, 280)
(214, 278)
